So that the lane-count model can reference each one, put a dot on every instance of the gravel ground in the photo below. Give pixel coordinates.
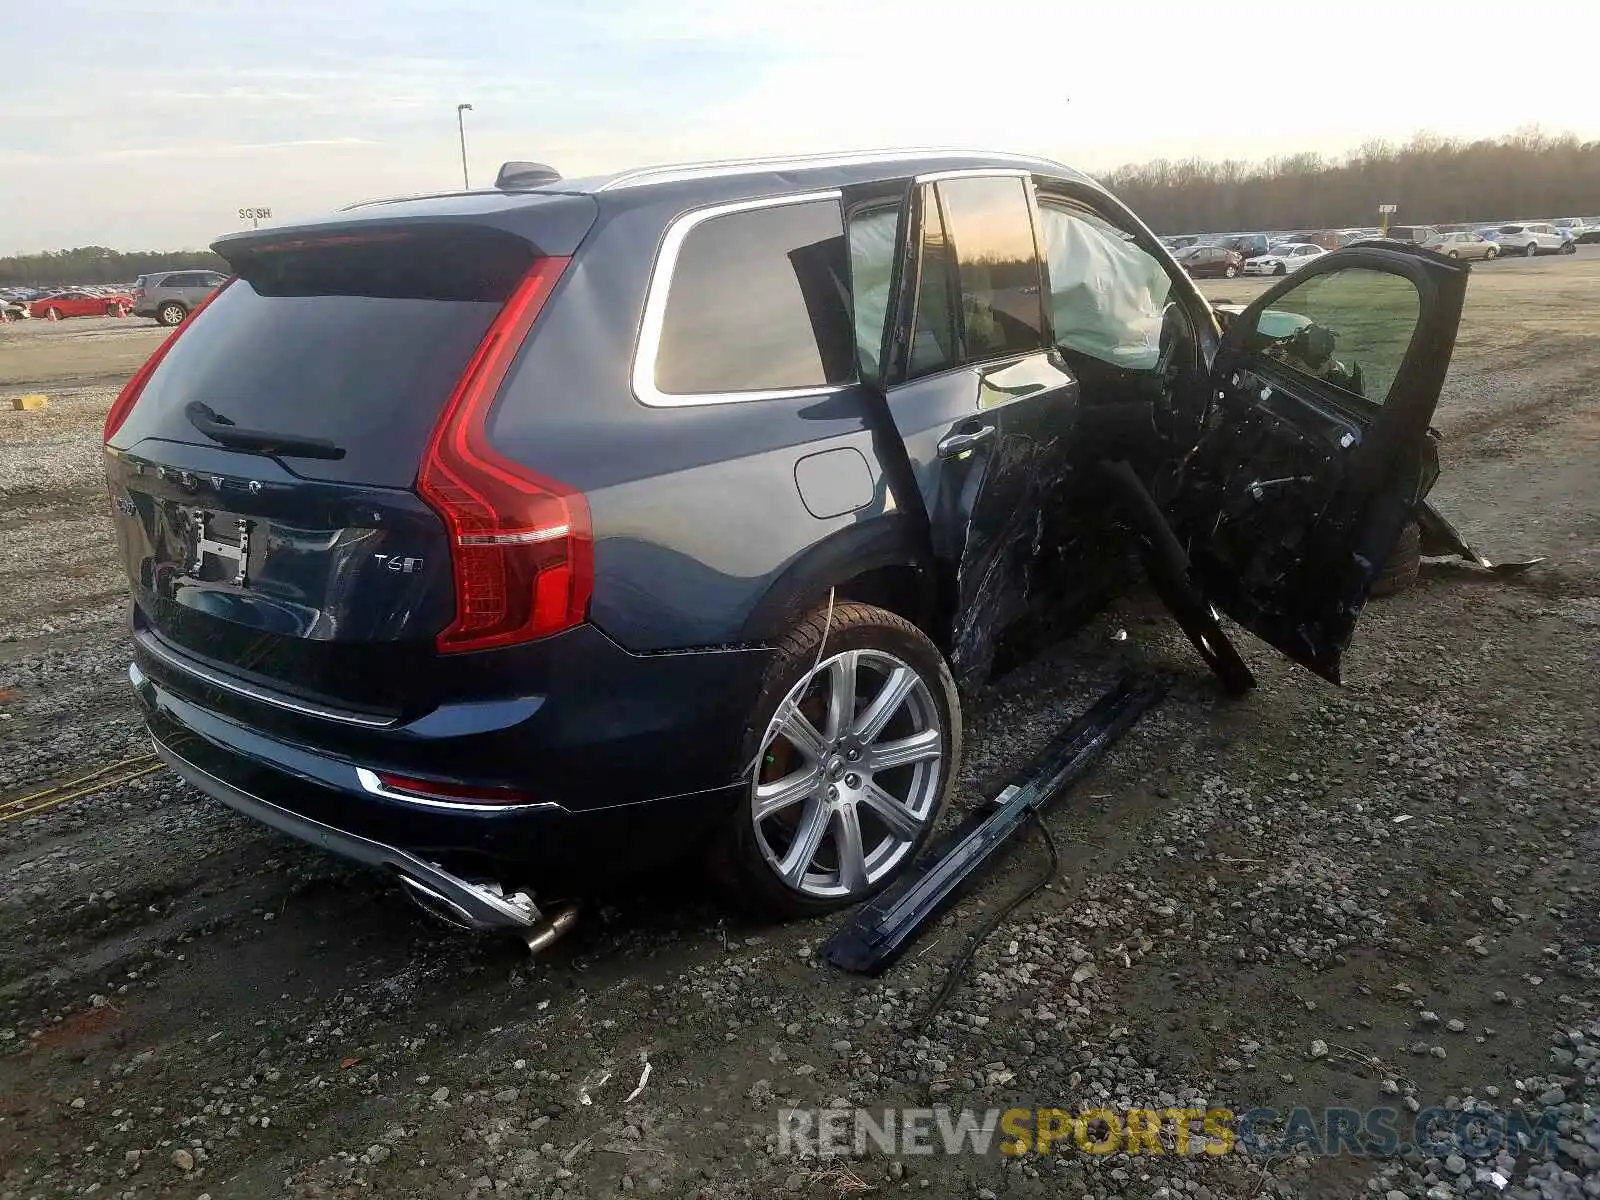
(1383, 895)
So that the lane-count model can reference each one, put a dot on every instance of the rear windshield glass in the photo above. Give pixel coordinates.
(356, 341)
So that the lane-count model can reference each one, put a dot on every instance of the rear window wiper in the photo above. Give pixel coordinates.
(257, 441)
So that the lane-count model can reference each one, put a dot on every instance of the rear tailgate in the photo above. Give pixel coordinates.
(264, 482)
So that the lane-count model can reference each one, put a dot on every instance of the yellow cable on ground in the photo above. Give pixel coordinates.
(94, 788)
(94, 774)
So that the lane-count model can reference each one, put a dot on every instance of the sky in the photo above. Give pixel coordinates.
(142, 124)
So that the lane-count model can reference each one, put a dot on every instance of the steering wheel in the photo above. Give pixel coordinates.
(1183, 400)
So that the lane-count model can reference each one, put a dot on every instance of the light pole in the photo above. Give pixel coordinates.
(461, 128)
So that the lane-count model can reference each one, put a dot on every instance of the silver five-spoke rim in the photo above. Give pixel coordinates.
(848, 775)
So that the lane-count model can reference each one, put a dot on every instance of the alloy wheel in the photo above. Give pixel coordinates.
(850, 773)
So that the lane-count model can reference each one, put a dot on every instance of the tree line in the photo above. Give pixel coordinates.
(97, 264)
(1527, 174)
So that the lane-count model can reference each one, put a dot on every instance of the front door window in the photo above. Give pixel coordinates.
(1348, 328)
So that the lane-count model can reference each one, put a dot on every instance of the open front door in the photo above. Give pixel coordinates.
(1317, 451)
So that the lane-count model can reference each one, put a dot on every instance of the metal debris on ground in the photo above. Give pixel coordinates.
(880, 931)
(644, 1077)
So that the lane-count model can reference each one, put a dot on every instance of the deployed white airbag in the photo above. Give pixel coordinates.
(1107, 295)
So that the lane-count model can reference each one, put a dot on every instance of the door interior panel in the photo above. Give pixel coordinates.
(1263, 478)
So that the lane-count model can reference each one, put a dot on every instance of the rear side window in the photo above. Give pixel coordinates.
(758, 301)
(997, 265)
(934, 331)
(357, 340)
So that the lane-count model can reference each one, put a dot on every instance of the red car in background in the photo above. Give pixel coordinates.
(1207, 261)
(75, 302)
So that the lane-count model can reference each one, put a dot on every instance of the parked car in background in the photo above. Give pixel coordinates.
(1591, 231)
(1416, 234)
(511, 539)
(1532, 237)
(1210, 262)
(1283, 258)
(170, 296)
(1249, 245)
(1328, 239)
(79, 302)
(1463, 245)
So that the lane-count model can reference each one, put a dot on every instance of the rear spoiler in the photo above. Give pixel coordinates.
(553, 223)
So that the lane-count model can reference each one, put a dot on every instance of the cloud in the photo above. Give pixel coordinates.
(152, 121)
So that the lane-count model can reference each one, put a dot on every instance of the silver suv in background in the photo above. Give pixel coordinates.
(169, 296)
(1534, 237)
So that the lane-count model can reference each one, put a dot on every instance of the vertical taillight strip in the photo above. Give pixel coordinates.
(521, 547)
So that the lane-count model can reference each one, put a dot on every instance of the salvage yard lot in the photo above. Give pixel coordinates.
(1361, 867)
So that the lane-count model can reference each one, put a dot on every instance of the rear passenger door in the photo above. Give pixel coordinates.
(982, 402)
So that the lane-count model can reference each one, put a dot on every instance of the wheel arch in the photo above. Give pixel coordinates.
(886, 562)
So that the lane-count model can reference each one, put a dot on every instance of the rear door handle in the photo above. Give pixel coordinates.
(952, 444)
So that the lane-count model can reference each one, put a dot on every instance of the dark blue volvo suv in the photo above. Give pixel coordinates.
(514, 538)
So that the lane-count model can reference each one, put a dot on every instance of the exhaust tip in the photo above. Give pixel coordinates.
(435, 905)
(550, 930)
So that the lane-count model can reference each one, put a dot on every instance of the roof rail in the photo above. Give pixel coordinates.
(670, 172)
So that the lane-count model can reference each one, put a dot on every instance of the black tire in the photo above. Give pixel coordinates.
(1454, 254)
(1530, 249)
(52, 313)
(735, 856)
(1404, 564)
(1491, 254)
(171, 314)
(1282, 270)
(1569, 247)
(1229, 271)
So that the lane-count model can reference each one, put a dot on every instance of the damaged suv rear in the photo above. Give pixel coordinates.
(514, 539)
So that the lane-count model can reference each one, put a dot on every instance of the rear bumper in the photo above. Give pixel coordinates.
(471, 904)
(574, 720)
(572, 834)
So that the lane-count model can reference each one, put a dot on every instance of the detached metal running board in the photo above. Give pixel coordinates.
(880, 931)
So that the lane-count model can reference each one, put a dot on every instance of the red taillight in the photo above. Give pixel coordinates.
(437, 789)
(130, 394)
(521, 548)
